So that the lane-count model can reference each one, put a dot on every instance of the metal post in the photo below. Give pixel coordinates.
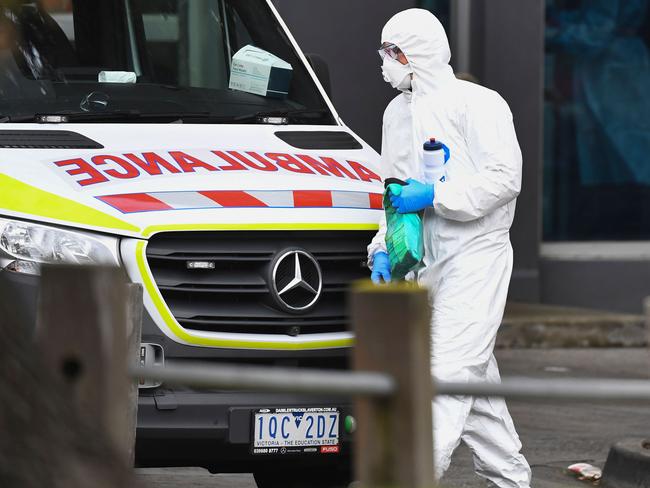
(461, 34)
(394, 440)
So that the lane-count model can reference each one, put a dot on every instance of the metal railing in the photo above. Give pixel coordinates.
(295, 380)
(88, 352)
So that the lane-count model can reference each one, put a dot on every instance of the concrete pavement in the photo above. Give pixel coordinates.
(554, 434)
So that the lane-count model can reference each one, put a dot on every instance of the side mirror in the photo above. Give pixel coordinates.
(322, 70)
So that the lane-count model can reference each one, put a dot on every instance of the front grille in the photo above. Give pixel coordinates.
(236, 296)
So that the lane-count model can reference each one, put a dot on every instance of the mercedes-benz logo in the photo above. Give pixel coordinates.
(296, 280)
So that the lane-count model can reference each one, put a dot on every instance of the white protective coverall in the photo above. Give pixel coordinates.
(468, 255)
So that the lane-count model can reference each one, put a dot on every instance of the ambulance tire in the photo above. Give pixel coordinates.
(301, 479)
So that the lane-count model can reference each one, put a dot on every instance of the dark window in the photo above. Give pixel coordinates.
(597, 120)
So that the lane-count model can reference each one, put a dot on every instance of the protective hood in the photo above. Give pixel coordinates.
(422, 39)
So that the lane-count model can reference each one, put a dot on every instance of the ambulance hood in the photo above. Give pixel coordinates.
(143, 178)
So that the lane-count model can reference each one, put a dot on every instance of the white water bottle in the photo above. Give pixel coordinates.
(434, 162)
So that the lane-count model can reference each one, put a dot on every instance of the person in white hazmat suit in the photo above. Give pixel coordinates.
(468, 255)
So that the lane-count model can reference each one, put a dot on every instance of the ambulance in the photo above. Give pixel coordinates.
(244, 211)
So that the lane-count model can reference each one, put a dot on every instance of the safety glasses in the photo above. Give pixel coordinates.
(390, 50)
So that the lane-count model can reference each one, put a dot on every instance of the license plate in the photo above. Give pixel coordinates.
(296, 430)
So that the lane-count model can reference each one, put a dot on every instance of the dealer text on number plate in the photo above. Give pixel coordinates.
(295, 430)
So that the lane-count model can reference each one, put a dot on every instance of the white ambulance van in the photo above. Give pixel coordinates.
(244, 216)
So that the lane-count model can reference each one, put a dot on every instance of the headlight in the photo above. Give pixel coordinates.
(32, 243)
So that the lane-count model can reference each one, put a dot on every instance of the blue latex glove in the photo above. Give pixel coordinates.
(380, 268)
(413, 197)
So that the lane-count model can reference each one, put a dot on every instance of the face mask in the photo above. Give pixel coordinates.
(397, 74)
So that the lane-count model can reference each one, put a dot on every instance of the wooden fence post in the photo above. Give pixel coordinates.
(85, 316)
(133, 341)
(394, 439)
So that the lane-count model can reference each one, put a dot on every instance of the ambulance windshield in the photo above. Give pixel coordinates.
(144, 61)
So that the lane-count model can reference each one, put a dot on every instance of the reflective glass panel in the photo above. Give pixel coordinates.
(597, 120)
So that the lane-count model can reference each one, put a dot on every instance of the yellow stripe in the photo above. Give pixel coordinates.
(154, 229)
(17, 196)
(184, 335)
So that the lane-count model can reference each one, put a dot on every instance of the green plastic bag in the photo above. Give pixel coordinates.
(404, 239)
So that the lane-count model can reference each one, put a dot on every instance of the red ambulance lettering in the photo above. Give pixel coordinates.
(129, 170)
(264, 164)
(130, 165)
(364, 173)
(328, 166)
(82, 168)
(152, 163)
(288, 162)
(233, 165)
(188, 163)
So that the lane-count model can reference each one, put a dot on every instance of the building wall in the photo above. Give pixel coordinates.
(508, 56)
(605, 284)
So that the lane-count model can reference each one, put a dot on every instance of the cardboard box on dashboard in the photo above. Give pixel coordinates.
(254, 70)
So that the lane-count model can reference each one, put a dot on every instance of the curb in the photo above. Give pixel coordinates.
(628, 465)
(541, 334)
(545, 326)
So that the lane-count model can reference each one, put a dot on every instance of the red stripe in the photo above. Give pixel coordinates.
(233, 199)
(134, 202)
(376, 200)
(312, 198)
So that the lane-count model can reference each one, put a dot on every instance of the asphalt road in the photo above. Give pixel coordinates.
(554, 435)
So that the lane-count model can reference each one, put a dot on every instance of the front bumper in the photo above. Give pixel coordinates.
(214, 430)
(211, 429)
